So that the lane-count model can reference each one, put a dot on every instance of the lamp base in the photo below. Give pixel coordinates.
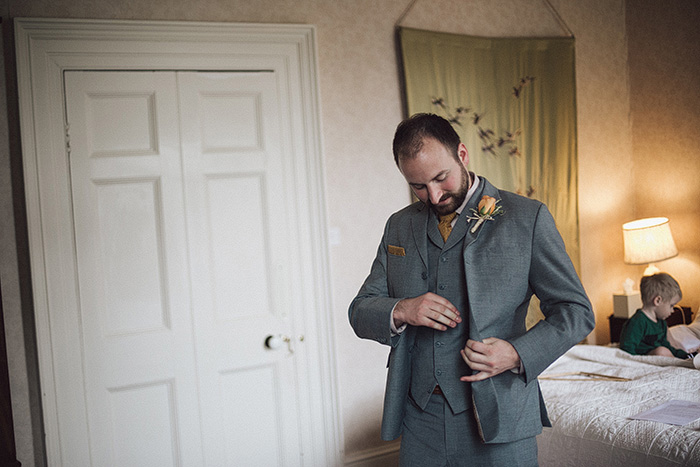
(651, 270)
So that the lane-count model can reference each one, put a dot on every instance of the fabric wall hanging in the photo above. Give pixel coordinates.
(513, 102)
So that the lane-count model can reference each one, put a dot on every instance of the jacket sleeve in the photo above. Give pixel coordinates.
(678, 353)
(370, 311)
(568, 314)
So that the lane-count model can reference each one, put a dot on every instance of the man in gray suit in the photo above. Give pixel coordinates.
(449, 291)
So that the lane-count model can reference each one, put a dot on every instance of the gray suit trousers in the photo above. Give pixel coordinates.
(435, 437)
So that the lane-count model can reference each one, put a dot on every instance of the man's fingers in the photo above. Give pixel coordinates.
(475, 360)
(488, 358)
(445, 317)
(441, 304)
(451, 315)
(475, 351)
(479, 347)
(440, 310)
(480, 371)
(431, 319)
(480, 376)
(428, 310)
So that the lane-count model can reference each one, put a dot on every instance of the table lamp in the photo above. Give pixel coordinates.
(648, 241)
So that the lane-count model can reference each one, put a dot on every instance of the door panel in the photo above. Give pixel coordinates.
(240, 242)
(135, 307)
(131, 257)
(239, 268)
(183, 240)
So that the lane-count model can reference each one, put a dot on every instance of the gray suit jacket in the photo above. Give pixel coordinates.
(507, 260)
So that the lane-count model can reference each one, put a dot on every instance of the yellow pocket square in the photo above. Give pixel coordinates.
(396, 250)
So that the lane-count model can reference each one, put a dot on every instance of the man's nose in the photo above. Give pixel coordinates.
(435, 194)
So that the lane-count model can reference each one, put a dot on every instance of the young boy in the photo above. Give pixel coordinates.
(645, 332)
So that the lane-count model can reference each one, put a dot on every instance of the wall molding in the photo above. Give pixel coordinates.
(381, 456)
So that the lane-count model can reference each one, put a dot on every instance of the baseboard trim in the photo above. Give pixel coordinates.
(386, 455)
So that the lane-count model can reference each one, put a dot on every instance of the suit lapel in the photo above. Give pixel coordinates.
(470, 256)
(458, 231)
(484, 394)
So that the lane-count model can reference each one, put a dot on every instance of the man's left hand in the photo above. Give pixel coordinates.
(489, 358)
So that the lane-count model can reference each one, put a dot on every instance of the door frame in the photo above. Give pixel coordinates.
(48, 47)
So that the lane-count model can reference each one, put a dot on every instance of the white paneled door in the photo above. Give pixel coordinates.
(185, 231)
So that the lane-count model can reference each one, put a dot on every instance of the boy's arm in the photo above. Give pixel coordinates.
(680, 353)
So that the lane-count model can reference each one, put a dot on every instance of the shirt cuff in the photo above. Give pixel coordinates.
(518, 371)
(394, 330)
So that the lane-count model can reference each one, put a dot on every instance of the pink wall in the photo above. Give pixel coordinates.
(664, 64)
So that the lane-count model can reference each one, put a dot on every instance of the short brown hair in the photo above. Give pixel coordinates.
(659, 284)
(409, 136)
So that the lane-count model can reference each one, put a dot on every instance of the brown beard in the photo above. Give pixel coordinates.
(457, 196)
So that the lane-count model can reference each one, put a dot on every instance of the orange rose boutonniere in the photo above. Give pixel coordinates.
(487, 209)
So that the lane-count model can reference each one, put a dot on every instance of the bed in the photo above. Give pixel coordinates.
(591, 414)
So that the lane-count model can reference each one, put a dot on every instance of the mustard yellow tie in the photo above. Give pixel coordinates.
(445, 225)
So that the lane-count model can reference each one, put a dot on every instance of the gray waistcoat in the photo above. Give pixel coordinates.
(436, 359)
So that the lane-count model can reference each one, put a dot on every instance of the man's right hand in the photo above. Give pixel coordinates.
(427, 310)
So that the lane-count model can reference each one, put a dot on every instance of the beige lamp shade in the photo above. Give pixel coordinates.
(648, 241)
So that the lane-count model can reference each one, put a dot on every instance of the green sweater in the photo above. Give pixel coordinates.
(640, 335)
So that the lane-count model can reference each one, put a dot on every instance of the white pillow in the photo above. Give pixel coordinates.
(685, 337)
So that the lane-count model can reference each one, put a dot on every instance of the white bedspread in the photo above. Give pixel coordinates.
(591, 425)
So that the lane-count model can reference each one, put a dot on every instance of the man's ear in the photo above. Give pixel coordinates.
(463, 154)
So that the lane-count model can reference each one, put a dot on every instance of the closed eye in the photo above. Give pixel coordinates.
(442, 176)
(439, 178)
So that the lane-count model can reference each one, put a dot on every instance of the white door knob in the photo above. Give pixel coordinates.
(275, 342)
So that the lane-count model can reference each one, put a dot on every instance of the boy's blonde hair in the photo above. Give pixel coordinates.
(660, 284)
